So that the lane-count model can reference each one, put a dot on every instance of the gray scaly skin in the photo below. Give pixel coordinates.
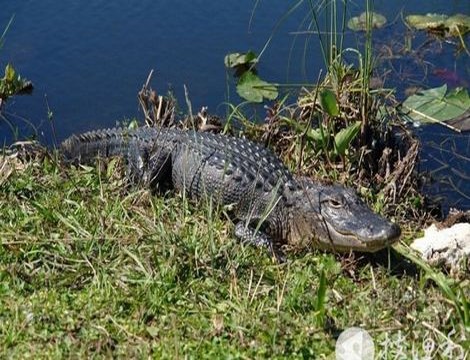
(271, 206)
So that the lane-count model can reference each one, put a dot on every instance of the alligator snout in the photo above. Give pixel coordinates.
(376, 236)
(383, 232)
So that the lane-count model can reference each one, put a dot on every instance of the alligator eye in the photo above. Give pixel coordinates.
(334, 203)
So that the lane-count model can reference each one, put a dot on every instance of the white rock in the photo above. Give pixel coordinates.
(447, 246)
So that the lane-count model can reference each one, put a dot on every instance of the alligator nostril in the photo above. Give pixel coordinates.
(396, 231)
(392, 233)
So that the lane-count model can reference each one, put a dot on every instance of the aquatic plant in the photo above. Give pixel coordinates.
(12, 83)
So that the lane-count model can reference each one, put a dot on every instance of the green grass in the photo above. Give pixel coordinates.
(88, 268)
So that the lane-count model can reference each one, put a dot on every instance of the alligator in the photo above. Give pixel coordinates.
(270, 206)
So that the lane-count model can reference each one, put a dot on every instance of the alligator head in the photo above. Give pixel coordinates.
(333, 217)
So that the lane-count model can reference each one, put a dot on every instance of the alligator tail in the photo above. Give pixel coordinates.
(101, 143)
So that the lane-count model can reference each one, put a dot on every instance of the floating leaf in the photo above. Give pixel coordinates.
(237, 59)
(458, 24)
(461, 122)
(344, 137)
(360, 23)
(250, 87)
(455, 25)
(329, 103)
(437, 105)
(425, 22)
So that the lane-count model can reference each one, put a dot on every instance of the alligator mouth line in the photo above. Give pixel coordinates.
(350, 241)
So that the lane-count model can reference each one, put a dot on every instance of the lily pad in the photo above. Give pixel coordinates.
(455, 25)
(425, 22)
(437, 105)
(458, 24)
(237, 59)
(461, 122)
(250, 87)
(359, 23)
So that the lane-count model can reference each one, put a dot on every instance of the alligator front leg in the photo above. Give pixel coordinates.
(250, 235)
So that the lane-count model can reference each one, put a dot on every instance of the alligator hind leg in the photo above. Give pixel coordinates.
(249, 235)
(136, 160)
(159, 173)
(147, 168)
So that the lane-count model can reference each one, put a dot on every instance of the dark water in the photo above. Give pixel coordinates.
(88, 60)
(91, 58)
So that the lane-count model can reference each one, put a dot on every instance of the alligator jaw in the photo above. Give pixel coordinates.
(350, 241)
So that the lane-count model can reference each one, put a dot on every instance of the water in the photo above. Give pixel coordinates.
(92, 58)
(88, 60)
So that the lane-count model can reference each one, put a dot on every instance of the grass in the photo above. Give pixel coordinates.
(92, 268)
(88, 268)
